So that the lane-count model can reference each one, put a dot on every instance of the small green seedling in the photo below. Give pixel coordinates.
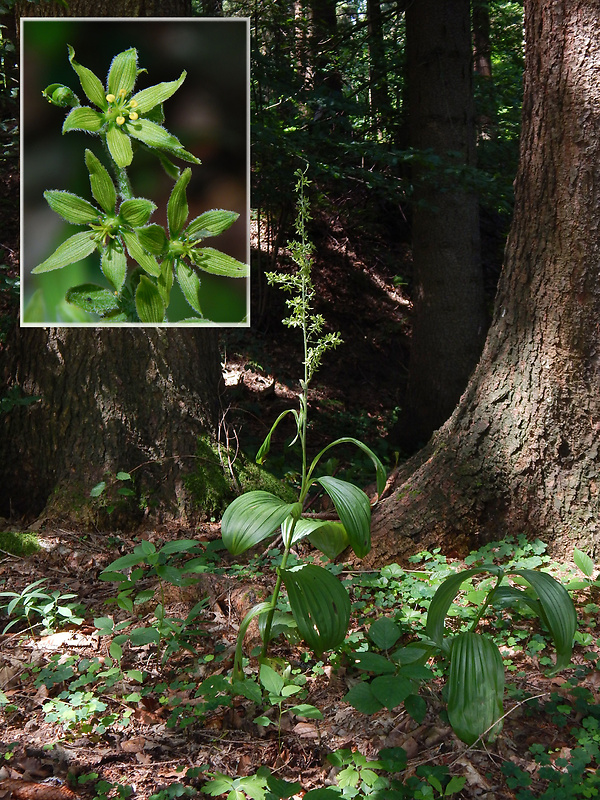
(117, 225)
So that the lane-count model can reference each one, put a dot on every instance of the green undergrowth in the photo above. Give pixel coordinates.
(219, 476)
(19, 543)
(177, 663)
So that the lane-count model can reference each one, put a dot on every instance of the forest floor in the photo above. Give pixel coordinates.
(84, 713)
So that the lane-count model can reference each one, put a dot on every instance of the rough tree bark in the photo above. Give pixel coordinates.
(521, 451)
(449, 311)
(110, 399)
(108, 8)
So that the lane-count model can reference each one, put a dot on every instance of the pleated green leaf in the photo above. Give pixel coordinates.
(379, 468)
(443, 598)
(211, 223)
(137, 211)
(328, 537)
(119, 145)
(148, 98)
(71, 207)
(147, 262)
(177, 207)
(74, 249)
(217, 263)
(252, 517)
(90, 83)
(475, 687)
(556, 611)
(354, 510)
(123, 72)
(148, 302)
(190, 285)
(92, 298)
(320, 605)
(265, 447)
(83, 119)
(114, 265)
(103, 188)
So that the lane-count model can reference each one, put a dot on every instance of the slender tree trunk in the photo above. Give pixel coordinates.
(378, 87)
(521, 452)
(449, 313)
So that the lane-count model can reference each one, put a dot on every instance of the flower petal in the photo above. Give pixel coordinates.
(123, 72)
(119, 146)
(137, 211)
(217, 263)
(103, 188)
(152, 134)
(71, 207)
(74, 249)
(177, 207)
(148, 98)
(190, 285)
(114, 265)
(147, 262)
(83, 119)
(90, 83)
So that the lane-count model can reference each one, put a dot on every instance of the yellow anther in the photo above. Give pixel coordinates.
(122, 92)
(133, 103)
(133, 115)
(110, 98)
(120, 120)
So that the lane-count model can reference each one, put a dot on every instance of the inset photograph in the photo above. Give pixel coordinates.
(135, 191)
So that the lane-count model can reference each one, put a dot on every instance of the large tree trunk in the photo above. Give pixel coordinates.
(108, 8)
(521, 451)
(449, 312)
(111, 400)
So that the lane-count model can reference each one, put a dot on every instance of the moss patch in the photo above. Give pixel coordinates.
(213, 486)
(19, 543)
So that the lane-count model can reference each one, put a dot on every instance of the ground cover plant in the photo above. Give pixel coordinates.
(112, 717)
(117, 227)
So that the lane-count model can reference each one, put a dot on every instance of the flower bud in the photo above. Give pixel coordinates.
(60, 95)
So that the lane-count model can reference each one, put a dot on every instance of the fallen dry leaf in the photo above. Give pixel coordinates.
(25, 790)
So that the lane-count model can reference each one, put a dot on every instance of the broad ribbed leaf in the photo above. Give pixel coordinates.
(320, 605)
(90, 83)
(119, 145)
(445, 595)
(92, 298)
(328, 537)
(114, 265)
(83, 119)
(211, 223)
(266, 445)
(123, 72)
(556, 611)
(379, 468)
(71, 207)
(251, 518)
(147, 262)
(148, 98)
(353, 508)
(148, 302)
(103, 188)
(177, 207)
(189, 282)
(217, 263)
(74, 249)
(152, 134)
(137, 211)
(475, 687)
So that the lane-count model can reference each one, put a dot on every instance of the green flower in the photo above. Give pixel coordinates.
(113, 232)
(123, 116)
(181, 252)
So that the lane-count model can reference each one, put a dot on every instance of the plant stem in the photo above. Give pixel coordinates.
(484, 607)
